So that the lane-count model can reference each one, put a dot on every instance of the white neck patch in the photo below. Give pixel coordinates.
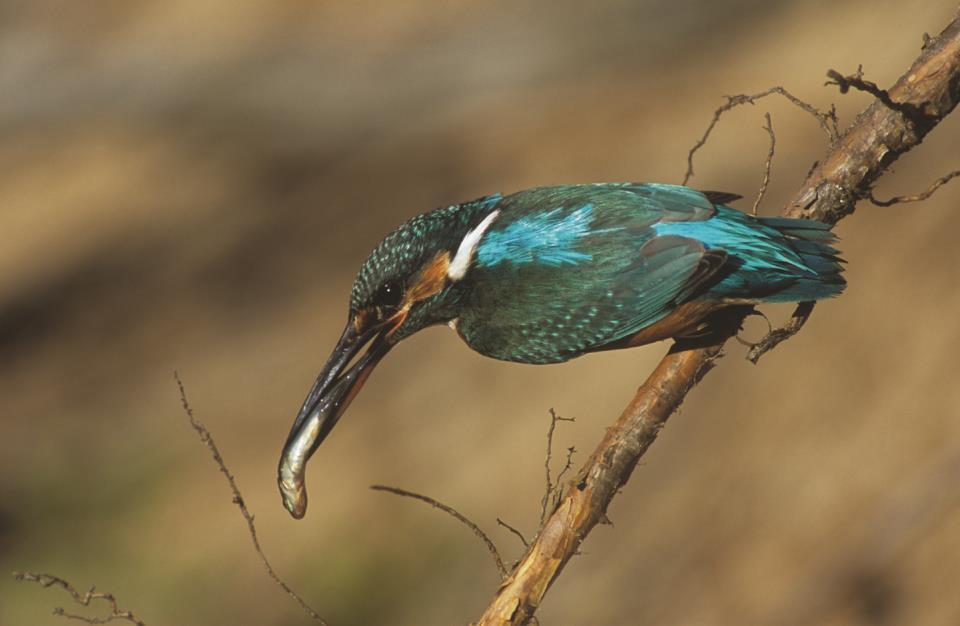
(468, 247)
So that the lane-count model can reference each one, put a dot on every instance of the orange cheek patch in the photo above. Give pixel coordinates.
(430, 281)
(362, 320)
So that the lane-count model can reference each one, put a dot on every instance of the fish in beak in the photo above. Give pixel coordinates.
(329, 397)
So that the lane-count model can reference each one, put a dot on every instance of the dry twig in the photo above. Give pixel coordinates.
(523, 540)
(767, 164)
(208, 441)
(856, 81)
(566, 466)
(551, 486)
(827, 121)
(877, 137)
(943, 180)
(778, 335)
(116, 613)
(460, 517)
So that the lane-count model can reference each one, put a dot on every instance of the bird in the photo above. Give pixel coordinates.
(548, 274)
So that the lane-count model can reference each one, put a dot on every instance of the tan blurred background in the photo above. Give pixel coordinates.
(191, 185)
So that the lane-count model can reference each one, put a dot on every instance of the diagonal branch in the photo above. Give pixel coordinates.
(878, 136)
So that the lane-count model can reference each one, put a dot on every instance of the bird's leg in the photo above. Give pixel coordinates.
(715, 328)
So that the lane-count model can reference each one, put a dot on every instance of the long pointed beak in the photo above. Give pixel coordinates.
(325, 403)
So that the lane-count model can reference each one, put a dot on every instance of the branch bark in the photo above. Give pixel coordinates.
(923, 96)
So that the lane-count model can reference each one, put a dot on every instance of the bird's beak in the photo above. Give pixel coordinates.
(326, 402)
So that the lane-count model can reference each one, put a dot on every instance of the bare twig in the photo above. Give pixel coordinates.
(916, 197)
(523, 540)
(116, 613)
(877, 137)
(856, 81)
(766, 166)
(827, 121)
(551, 487)
(208, 441)
(567, 465)
(449, 510)
(750, 344)
(778, 335)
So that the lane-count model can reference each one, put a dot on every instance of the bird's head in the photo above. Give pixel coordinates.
(409, 281)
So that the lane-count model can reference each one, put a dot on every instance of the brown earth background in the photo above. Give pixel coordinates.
(191, 185)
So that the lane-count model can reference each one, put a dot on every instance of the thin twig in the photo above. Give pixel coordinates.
(523, 540)
(777, 336)
(751, 344)
(449, 510)
(917, 197)
(827, 121)
(856, 81)
(116, 613)
(208, 441)
(766, 166)
(569, 463)
(845, 81)
(551, 487)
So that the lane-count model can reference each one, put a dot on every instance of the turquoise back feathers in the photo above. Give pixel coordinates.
(548, 274)
(550, 238)
(553, 272)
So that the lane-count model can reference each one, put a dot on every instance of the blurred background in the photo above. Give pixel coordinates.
(191, 185)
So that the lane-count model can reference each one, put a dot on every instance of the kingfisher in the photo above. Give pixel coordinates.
(548, 274)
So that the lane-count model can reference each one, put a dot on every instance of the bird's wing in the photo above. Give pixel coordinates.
(564, 270)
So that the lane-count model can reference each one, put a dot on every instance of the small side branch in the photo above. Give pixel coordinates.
(208, 441)
(778, 335)
(460, 517)
(84, 599)
(856, 81)
(827, 121)
(523, 540)
(917, 197)
(551, 486)
(767, 164)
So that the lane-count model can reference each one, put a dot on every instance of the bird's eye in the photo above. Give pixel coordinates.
(389, 295)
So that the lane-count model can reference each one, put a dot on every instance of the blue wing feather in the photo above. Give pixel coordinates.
(563, 270)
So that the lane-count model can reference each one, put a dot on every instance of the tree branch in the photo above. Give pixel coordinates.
(878, 137)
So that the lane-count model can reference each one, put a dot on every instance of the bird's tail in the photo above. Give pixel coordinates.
(812, 241)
